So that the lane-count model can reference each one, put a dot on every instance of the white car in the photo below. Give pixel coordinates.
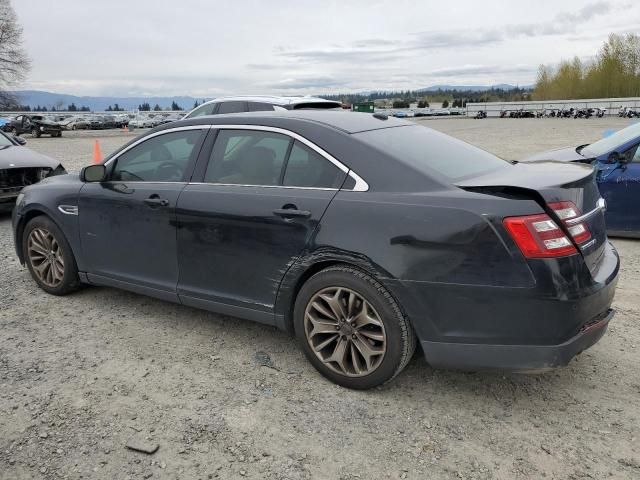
(260, 103)
(141, 122)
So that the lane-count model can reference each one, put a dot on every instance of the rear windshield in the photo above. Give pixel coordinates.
(430, 151)
(317, 105)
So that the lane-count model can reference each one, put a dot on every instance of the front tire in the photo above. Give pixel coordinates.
(35, 132)
(49, 257)
(351, 329)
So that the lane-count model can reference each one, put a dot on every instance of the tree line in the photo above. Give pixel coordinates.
(614, 72)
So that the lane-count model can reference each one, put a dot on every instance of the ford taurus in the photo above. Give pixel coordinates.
(363, 235)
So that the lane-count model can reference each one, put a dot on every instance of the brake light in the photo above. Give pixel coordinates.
(567, 211)
(538, 236)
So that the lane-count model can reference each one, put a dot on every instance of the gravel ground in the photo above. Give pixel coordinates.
(80, 376)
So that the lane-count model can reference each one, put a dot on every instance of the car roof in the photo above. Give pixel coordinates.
(272, 99)
(345, 121)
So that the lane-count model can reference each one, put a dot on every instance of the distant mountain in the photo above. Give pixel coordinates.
(472, 88)
(34, 98)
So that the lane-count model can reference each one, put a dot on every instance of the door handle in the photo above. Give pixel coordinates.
(155, 201)
(292, 213)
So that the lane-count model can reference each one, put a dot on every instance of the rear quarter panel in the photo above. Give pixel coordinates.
(439, 241)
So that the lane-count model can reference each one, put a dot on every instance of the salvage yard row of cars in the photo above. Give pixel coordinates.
(483, 262)
(37, 125)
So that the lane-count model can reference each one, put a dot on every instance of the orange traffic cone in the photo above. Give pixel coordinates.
(97, 154)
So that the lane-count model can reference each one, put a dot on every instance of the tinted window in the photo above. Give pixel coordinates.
(160, 159)
(307, 168)
(206, 109)
(245, 157)
(260, 107)
(232, 107)
(429, 151)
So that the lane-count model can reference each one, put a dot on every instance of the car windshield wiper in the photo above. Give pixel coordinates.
(2, 147)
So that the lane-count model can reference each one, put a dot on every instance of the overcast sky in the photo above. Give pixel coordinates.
(207, 48)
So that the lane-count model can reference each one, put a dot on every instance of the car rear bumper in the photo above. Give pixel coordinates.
(475, 327)
(523, 358)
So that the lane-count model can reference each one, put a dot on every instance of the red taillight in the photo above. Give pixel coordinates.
(538, 236)
(567, 211)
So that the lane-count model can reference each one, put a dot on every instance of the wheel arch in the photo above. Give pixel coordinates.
(25, 218)
(305, 268)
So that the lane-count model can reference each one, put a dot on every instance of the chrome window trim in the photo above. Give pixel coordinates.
(360, 184)
(600, 205)
(263, 186)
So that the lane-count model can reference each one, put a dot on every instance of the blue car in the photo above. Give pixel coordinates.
(617, 159)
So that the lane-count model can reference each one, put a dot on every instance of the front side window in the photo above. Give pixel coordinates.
(163, 158)
(247, 157)
(307, 168)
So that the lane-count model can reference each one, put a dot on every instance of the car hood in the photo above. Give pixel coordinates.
(22, 157)
(567, 154)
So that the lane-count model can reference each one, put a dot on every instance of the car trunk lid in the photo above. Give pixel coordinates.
(551, 184)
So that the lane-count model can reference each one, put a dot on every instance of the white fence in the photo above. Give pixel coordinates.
(612, 105)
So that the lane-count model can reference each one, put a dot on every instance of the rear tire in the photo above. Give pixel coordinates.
(49, 257)
(351, 329)
(35, 132)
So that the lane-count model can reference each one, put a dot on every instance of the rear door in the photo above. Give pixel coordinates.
(257, 204)
(620, 186)
(127, 224)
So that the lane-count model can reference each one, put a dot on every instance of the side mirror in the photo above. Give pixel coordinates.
(20, 140)
(93, 173)
(614, 157)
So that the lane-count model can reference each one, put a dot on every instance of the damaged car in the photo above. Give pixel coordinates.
(36, 125)
(617, 161)
(363, 235)
(20, 167)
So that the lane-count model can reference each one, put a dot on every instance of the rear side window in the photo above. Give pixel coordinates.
(260, 107)
(307, 168)
(246, 157)
(206, 109)
(232, 107)
(429, 151)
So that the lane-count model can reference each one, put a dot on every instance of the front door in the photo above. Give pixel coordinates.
(619, 185)
(127, 224)
(255, 209)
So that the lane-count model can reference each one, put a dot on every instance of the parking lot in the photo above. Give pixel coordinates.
(227, 398)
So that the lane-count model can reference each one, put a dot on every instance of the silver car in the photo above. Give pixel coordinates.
(260, 103)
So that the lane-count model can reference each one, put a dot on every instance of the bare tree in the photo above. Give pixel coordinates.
(14, 62)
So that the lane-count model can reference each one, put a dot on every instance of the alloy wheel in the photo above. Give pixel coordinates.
(45, 257)
(345, 331)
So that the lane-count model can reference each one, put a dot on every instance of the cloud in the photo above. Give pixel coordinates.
(420, 42)
(472, 70)
(309, 82)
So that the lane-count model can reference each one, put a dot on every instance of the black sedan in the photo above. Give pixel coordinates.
(361, 234)
(20, 167)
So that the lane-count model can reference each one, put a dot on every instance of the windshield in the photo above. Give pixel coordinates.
(4, 141)
(430, 151)
(611, 142)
